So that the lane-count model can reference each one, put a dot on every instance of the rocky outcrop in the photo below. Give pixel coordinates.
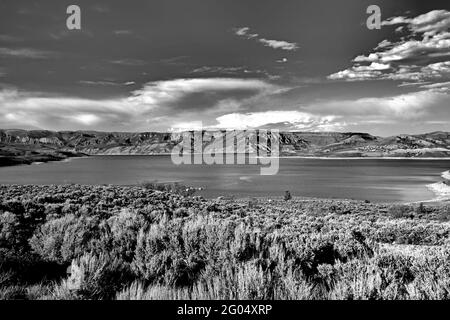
(327, 144)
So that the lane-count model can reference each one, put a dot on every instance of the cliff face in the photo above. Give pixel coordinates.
(330, 144)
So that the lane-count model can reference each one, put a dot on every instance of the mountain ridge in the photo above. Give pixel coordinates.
(26, 146)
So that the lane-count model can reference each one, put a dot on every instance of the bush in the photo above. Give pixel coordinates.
(130, 242)
(121, 237)
(244, 282)
(18, 222)
(63, 239)
(97, 277)
(401, 211)
(161, 256)
(13, 293)
(287, 196)
(11, 235)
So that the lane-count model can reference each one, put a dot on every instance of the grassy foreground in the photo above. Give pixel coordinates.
(117, 242)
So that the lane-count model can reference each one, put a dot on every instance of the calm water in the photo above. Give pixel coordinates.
(372, 179)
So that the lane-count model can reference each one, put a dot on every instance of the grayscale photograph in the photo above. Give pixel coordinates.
(219, 150)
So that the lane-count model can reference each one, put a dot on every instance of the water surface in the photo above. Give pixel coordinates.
(390, 180)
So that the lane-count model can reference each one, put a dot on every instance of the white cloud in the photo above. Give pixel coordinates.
(275, 44)
(86, 119)
(293, 119)
(129, 62)
(186, 126)
(160, 93)
(439, 86)
(244, 32)
(105, 83)
(410, 58)
(226, 103)
(25, 109)
(437, 45)
(100, 83)
(218, 69)
(26, 53)
(374, 66)
(409, 106)
(434, 71)
(429, 23)
(372, 71)
(383, 44)
(352, 75)
(439, 68)
(172, 97)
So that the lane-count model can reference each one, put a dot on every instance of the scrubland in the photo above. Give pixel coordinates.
(148, 242)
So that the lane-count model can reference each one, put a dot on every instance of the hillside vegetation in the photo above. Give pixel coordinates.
(327, 144)
(117, 242)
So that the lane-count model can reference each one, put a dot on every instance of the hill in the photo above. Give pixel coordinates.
(23, 146)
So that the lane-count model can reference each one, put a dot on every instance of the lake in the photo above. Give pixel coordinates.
(390, 180)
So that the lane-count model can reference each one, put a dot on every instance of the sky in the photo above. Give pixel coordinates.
(165, 65)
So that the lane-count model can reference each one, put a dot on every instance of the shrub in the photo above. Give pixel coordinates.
(18, 222)
(291, 286)
(138, 291)
(66, 238)
(37, 291)
(356, 280)
(97, 277)
(245, 281)
(136, 243)
(287, 196)
(120, 238)
(431, 277)
(11, 235)
(160, 256)
(252, 283)
(400, 211)
(61, 291)
(13, 292)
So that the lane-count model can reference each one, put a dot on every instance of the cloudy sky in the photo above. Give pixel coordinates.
(160, 65)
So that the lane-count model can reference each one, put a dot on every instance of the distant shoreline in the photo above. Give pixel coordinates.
(8, 161)
(286, 157)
